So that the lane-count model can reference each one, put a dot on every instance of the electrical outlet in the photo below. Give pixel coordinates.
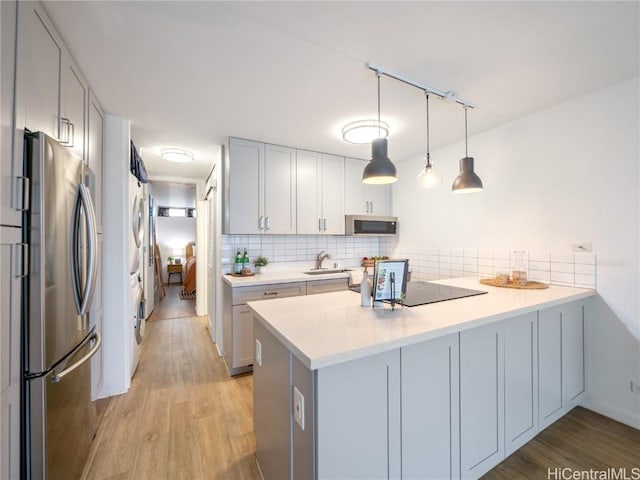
(298, 407)
(258, 353)
(582, 247)
(635, 387)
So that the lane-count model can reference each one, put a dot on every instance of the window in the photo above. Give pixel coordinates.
(176, 212)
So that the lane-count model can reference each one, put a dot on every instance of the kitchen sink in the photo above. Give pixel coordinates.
(324, 271)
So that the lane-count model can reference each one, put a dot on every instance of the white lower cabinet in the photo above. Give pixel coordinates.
(242, 330)
(450, 407)
(520, 381)
(12, 266)
(561, 365)
(358, 418)
(430, 409)
(481, 399)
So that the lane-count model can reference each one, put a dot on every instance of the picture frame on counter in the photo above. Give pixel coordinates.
(390, 281)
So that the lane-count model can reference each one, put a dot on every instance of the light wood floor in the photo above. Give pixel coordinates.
(185, 418)
(171, 306)
(581, 440)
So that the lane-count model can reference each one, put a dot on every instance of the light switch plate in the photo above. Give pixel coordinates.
(258, 353)
(298, 407)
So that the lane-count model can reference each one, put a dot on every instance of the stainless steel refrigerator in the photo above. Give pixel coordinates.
(58, 336)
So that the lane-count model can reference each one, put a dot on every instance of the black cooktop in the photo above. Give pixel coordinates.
(421, 293)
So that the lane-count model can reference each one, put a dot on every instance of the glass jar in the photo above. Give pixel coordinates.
(519, 267)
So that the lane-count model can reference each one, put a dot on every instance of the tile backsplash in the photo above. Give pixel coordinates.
(568, 269)
(299, 248)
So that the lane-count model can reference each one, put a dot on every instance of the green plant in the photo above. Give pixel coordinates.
(169, 259)
(261, 261)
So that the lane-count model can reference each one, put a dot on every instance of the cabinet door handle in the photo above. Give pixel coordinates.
(72, 135)
(366, 203)
(270, 294)
(319, 224)
(64, 136)
(21, 260)
(260, 223)
(268, 223)
(324, 222)
(22, 193)
(371, 206)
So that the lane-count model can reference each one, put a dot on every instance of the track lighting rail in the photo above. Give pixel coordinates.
(448, 95)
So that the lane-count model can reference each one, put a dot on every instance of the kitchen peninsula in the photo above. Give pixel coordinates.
(444, 390)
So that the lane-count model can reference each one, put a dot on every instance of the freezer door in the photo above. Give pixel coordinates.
(59, 208)
(62, 417)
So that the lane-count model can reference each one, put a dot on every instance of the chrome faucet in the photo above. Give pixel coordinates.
(320, 258)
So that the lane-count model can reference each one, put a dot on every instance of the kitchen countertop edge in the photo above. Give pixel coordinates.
(315, 362)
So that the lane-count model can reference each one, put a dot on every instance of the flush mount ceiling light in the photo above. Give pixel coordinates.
(467, 181)
(178, 155)
(364, 131)
(380, 170)
(428, 177)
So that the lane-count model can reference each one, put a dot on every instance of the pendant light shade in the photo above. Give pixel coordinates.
(380, 170)
(428, 177)
(467, 181)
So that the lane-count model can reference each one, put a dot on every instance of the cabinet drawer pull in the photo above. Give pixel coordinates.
(270, 294)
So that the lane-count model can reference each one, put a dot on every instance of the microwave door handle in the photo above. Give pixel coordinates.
(90, 353)
(74, 254)
(92, 237)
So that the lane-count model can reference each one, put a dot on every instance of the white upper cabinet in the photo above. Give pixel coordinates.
(362, 199)
(244, 186)
(74, 95)
(51, 93)
(260, 190)
(279, 204)
(320, 193)
(39, 62)
(332, 179)
(10, 168)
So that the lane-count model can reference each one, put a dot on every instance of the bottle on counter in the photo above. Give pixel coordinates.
(365, 289)
(245, 260)
(237, 267)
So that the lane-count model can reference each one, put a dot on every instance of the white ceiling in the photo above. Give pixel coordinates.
(189, 74)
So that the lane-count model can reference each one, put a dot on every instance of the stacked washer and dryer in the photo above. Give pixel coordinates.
(136, 299)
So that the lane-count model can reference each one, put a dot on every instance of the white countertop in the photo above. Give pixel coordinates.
(331, 328)
(268, 278)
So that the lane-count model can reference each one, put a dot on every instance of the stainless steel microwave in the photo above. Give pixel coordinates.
(370, 225)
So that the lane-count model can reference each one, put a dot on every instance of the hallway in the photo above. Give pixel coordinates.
(183, 417)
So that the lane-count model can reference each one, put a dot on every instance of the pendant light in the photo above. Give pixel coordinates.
(380, 170)
(428, 177)
(467, 181)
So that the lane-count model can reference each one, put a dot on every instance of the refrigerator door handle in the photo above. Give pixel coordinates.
(92, 234)
(82, 295)
(98, 339)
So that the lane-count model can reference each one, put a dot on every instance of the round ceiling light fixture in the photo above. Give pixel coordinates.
(178, 155)
(365, 131)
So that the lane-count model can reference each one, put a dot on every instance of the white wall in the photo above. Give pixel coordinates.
(569, 173)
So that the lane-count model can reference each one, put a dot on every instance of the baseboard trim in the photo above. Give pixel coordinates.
(619, 416)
